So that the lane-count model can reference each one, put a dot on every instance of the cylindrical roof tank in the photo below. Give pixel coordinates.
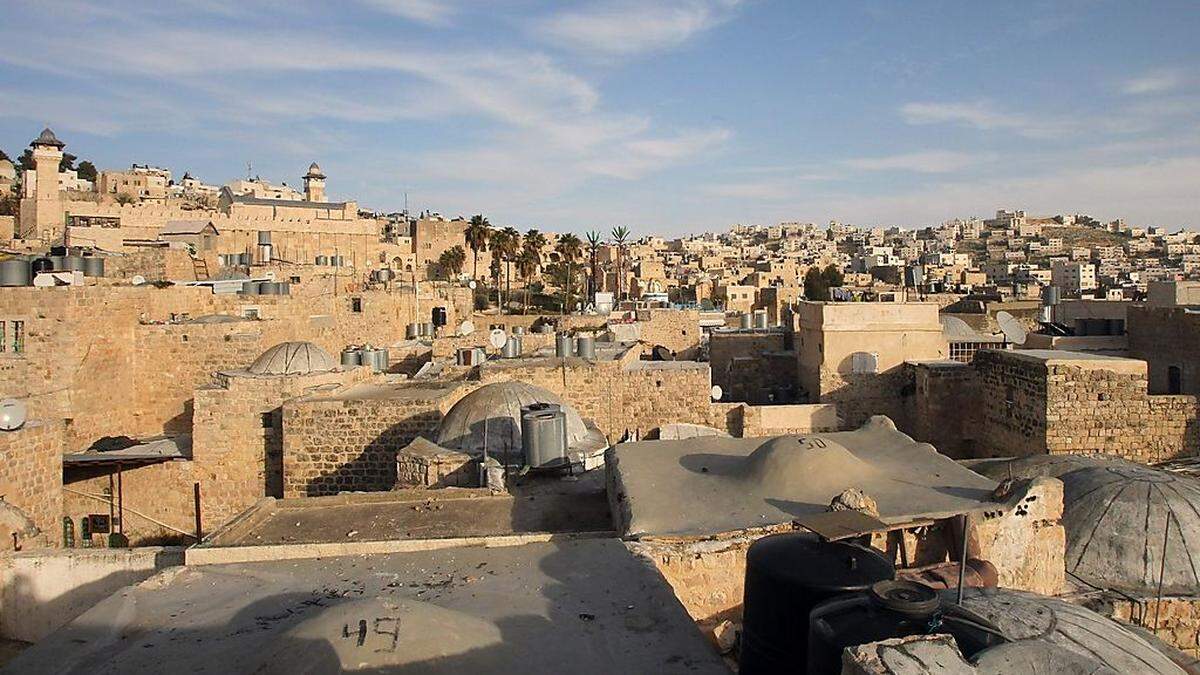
(58, 263)
(1051, 295)
(16, 272)
(786, 576)
(563, 345)
(75, 263)
(544, 438)
(285, 288)
(585, 347)
(518, 330)
(322, 261)
(746, 321)
(412, 331)
(351, 357)
(244, 259)
(512, 348)
(428, 329)
(93, 266)
(337, 261)
(760, 319)
(269, 288)
(251, 287)
(381, 360)
(264, 238)
(263, 254)
(42, 265)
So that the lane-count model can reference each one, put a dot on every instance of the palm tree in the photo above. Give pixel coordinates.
(570, 249)
(527, 267)
(477, 233)
(498, 243)
(512, 246)
(452, 260)
(619, 235)
(593, 240)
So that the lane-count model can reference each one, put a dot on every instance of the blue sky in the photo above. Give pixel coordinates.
(670, 117)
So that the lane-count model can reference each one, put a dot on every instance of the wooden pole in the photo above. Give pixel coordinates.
(196, 506)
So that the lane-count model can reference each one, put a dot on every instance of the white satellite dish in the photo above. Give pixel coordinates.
(466, 327)
(471, 284)
(716, 392)
(957, 329)
(497, 338)
(12, 414)
(1014, 332)
(138, 280)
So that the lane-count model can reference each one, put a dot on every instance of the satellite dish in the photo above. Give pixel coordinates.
(1014, 332)
(12, 414)
(471, 284)
(138, 280)
(957, 329)
(497, 338)
(466, 327)
(716, 392)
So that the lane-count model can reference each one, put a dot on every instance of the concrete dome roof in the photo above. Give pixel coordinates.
(292, 358)
(496, 408)
(1115, 518)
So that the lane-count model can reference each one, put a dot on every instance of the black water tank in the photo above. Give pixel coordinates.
(891, 609)
(786, 576)
(438, 316)
(42, 265)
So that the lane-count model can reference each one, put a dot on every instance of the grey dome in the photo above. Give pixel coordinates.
(292, 358)
(47, 137)
(1058, 632)
(1051, 466)
(1115, 518)
(496, 408)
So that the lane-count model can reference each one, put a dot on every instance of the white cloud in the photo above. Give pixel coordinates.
(1154, 82)
(983, 116)
(433, 12)
(628, 27)
(934, 161)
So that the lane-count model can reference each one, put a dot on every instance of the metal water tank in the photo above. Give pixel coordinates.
(382, 360)
(512, 348)
(760, 319)
(412, 331)
(786, 576)
(251, 287)
(263, 254)
(351, 357)
(469, 356)
(16, 272)
(244, 259)
(58, 263)
(518, 330)
(369, 358)
(585, 347)
(93, 266)
(42, 265)
(746, 321)
(75, 263)
(563, 345)
(285, 288)
(269, 288)
(544, 438)
(427, 329)
(264, 238)
(322, 261)
(338, 261)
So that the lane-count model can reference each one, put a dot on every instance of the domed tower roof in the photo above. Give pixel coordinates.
(314, 171)
(493, 413)
(1116, 517)
(292, 358)
(7, 170)
(47, 137)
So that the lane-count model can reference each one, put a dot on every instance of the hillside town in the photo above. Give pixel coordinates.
(246, 426)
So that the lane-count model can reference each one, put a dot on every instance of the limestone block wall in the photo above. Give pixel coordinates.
(943, 408)
(159, 506)
(1012, 404)
(333, 445)
(1166, 337)
(677, 330)
(754, 367)
(859, 396)
(31, 480)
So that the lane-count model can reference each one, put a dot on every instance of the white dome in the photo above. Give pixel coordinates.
(493, 412)
(292, 358)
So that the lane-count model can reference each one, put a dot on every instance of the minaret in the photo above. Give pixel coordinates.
(314, 184)
(41, 208)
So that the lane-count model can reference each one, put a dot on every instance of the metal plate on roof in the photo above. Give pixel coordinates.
(835, 525)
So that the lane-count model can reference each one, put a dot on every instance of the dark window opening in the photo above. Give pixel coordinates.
(1174, 380)
(268, 420)
(356, 305)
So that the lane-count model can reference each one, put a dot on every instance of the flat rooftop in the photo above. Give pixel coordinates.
(544, 504)
(1085, 360)
(583, 607)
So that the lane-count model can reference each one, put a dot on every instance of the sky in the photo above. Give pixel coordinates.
(668, 117)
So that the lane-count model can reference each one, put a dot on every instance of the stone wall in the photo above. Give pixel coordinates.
(754, 367)
(32, 482)
(942, 409)
(338, 445)
(677, 330)
(859, 396)
(1166, 337)
(1033, 407)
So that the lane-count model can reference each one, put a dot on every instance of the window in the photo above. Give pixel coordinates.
(268, 420)
(1174, 380)
(356, 305)
(18, 337)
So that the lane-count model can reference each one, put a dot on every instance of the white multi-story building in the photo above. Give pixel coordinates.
(1073, 277)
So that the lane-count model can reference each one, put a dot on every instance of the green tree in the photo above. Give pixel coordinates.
(510, 251)
(593, 239)
(570, 249)
(451, 261)
(477, 234)
(832, 276)
(619, 236)
(527, 267)
(68, 162)
(816, 288)
(497, 244)
(87, 171)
